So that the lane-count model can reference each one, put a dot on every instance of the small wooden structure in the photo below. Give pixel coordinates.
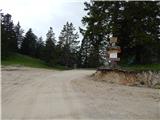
(112, 53)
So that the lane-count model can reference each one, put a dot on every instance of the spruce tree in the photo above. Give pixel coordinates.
(19, 35)
(40, 48)
(9, 41)
(95, 32)
(68, 44)
(49, 50)
(28, 46)
(136, 24)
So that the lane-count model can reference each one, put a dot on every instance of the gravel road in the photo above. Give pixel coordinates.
(41, 94)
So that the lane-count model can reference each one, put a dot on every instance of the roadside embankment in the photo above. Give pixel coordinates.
(131, 78)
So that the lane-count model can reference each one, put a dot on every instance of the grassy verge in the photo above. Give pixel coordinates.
(23, 60)
(152, 67)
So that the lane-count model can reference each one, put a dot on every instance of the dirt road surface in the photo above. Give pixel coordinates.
(40, 94)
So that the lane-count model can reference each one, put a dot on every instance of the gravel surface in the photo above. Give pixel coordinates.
(41, 94)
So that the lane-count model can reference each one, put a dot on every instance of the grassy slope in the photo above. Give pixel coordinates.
(23, 60)
(152, 67)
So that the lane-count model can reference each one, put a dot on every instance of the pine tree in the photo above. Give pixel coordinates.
(9, 41)
(95, 33)
(19, 35)
(28, 46)
(68, 44)
(139, 31)
(40, 48)
(136, 24)
(84, 51)
(49, 50)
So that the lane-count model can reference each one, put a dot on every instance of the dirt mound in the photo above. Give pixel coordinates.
(147, 79)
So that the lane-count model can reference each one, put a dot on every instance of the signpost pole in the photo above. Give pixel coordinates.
(113, 52)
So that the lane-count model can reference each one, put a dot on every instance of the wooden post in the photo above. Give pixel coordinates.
(113, 52)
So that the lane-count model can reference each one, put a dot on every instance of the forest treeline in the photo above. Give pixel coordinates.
(136, 24)
(63, 52)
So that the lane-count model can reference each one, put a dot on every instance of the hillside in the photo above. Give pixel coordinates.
(23, 60)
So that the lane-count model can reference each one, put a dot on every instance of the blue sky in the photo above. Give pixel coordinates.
(42, 14)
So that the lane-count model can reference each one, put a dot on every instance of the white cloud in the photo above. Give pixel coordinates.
(41, 14)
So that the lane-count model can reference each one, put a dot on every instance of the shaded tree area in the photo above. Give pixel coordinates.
(64, 52)
(94, 34)
(8, 36)
(19, 35)
(40, 46)
(68, 46)
(49, 49)
(28, 46)
(136, 24)
(139, 31)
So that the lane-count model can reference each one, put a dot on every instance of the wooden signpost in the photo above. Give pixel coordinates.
(113, 52)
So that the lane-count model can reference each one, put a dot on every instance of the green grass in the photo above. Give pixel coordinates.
(23, 60)
(152, 67)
